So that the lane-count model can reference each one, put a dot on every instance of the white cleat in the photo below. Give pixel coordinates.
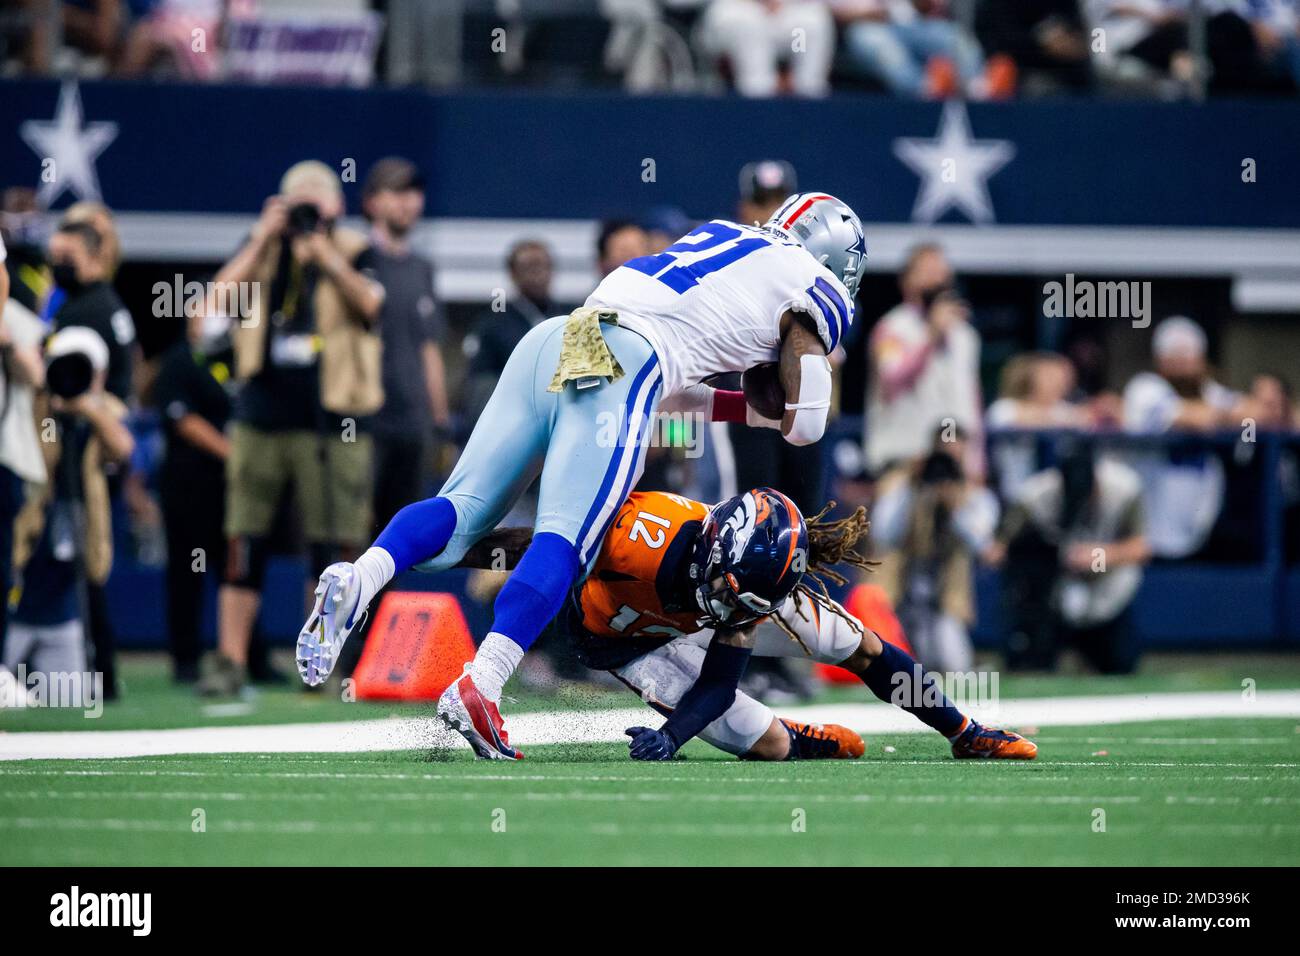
(463, 709)
(334, 617)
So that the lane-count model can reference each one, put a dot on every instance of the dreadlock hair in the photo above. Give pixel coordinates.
(829, 543)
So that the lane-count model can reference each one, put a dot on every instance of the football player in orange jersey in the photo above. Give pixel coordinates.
(674, 576)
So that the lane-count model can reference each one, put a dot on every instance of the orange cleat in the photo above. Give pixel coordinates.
(823, 741)
(978, 741)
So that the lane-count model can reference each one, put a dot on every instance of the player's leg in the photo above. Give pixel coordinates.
(595, 456)
(833, 636)
(498, 463)
(749, 729)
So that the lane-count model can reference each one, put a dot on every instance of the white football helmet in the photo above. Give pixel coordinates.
(828, 229)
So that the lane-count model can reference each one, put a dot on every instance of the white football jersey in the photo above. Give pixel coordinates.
(712, 302)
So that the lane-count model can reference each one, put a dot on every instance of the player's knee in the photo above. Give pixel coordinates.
(537, 588)
(774, 744)
(550, 564)
(418, 531)
(869, 648)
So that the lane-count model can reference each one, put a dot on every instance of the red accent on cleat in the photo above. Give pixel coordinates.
(486, 718)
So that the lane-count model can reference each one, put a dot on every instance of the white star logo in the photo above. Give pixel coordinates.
(954, 168)
(72, 148)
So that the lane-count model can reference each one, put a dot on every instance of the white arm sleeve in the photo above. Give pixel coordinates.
(692, 398)
(814, 405)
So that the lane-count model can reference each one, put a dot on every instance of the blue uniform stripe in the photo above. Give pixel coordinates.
(846, 314)
(611, 470)
(832, 318)
(638, 453)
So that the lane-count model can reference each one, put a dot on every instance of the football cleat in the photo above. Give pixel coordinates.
(334, 616)
(978, 741)
(463, 709)
(823, 742)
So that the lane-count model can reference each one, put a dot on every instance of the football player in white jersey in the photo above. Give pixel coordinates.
(724, 298)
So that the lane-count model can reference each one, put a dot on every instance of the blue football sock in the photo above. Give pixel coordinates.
(536, 589)
(896, 678)
(418, 532)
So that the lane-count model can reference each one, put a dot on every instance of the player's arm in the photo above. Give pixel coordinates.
(805, 372)
(498, 551)
(713, 692)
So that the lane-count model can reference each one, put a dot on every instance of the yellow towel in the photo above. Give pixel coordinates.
(584, 354)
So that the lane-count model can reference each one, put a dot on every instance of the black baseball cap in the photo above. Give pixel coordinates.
(767, 179)
(392, 173)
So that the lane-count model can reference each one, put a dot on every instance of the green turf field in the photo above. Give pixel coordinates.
(1200, 792)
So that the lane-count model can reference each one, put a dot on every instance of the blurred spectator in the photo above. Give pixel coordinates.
(757, 36)
(1073, 546)
(618, 241)
(191, 395)
(163, 38)
(1045, 39)
(22, 372)
(23, 227)
(925, 358)
(415, 380)
(764, 185)
(916, 49)
(101, 217)
(1157, 33)
(63, 536)
(1034, 395)
(495, 333)
(309, 362)
(931, 521)
(1272, 402)
(80, 264)
(663, 226)
(100, 308)
(91, 27)
(1276, 25)
(1183, 487)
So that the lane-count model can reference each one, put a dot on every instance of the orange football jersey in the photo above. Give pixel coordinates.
(623, 595)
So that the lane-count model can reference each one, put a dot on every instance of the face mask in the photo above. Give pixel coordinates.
(65, 276)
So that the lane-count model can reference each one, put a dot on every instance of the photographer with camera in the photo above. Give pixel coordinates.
(924, 358)
(81, 266)
(308, 360)
(63, 535)
(931, 521)
(1072, 547)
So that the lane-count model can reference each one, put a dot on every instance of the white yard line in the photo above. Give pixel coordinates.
(595, 726)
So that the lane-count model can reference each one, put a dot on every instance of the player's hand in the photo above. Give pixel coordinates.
(647, 744)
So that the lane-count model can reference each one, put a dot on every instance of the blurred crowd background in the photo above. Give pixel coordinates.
(1025, 472)
(983, 49)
